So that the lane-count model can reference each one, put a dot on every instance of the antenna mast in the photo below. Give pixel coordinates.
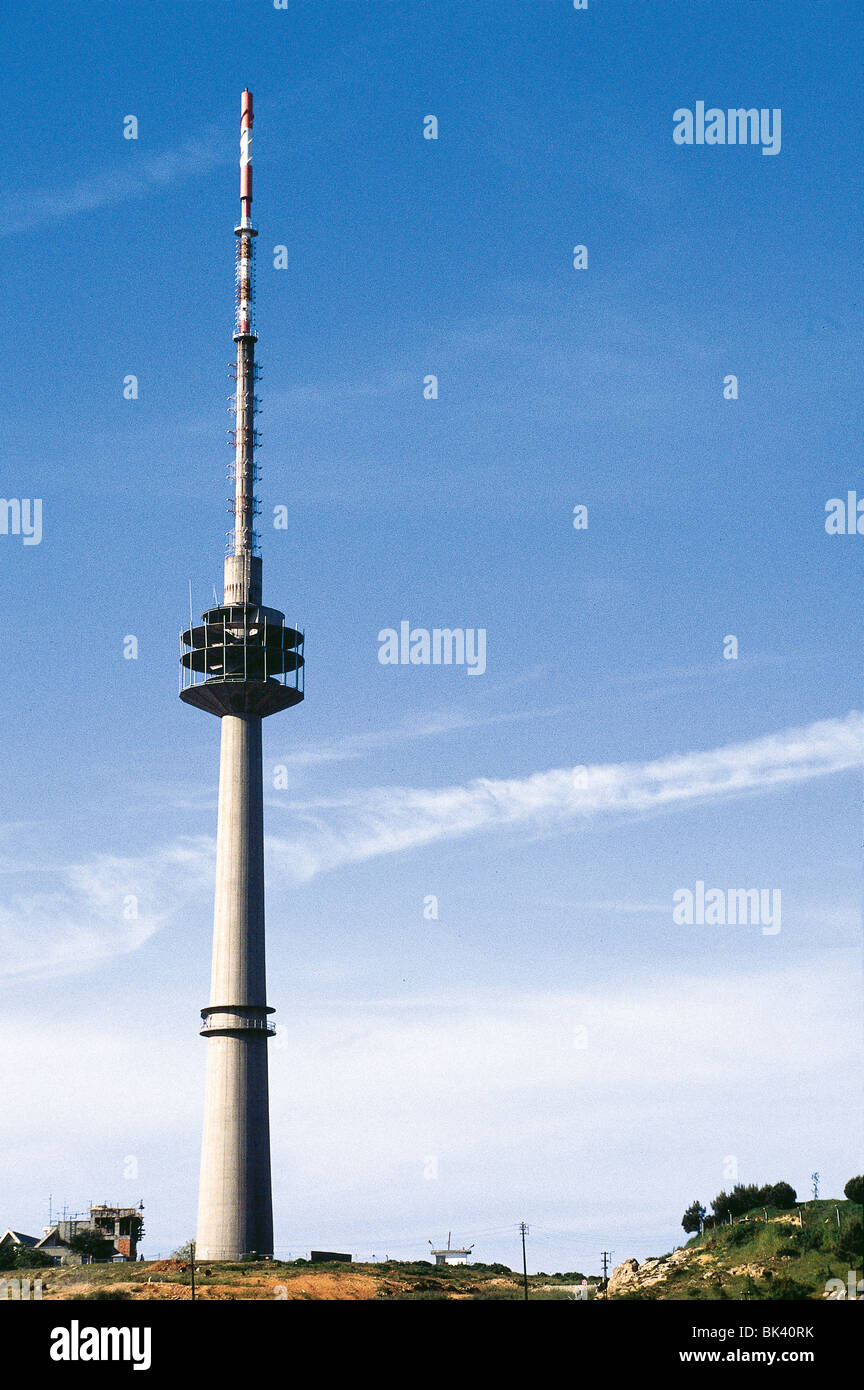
(243, 564)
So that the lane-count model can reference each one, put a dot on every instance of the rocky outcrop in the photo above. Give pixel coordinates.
(630, 1275)
(623, 1276)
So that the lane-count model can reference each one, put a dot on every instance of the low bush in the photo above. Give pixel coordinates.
(850, 1245)
(739, 1235)
(785, 1288)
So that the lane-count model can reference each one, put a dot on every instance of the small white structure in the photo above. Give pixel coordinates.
(452, 1256)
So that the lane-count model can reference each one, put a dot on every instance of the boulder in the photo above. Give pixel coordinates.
(623, 1275)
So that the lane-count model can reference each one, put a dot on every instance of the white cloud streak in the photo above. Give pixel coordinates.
(86, 918)
(118, 185)
(387, 820)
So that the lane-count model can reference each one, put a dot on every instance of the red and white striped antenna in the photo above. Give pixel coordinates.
(243, 570)
(246, 119)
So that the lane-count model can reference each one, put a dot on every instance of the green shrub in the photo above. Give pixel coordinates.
(739, 1235)
(850, 1246)
(810, 1238)
(785, 1288)
(27, 1258)
(854, 1189)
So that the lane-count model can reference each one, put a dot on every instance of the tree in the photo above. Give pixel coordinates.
(780, 1194)
(693, 1216)
(854, 1189)
(28, 1258)
(742, 1198)
(92, 1243)
(22, 1257)
(745, 1196)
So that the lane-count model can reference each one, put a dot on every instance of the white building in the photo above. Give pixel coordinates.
(452, 1256)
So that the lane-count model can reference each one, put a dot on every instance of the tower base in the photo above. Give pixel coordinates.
(235, 1211)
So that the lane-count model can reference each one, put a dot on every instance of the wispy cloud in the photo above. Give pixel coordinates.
(421, 726)
(110, 905)
(386, 820)
(94, 911)
(105, 187)
(434, 723)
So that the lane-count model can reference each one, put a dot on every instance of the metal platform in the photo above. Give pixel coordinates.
(242, 659)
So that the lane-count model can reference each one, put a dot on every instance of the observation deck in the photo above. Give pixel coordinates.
(242, 659)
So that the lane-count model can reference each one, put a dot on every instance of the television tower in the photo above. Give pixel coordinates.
(242, 663)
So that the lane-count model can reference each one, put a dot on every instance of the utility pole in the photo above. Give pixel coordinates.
(192, 1265)
(524, 1229)
(606, 1256)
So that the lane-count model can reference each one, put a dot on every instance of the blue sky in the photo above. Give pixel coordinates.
(553, 1047)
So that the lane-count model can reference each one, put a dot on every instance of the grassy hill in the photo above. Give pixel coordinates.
(777, 1258)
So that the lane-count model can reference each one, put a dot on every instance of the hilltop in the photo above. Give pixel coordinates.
(789, 1255)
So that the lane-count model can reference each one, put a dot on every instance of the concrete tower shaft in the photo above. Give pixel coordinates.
(241, 663)
(238, 956)
(235, 1213)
